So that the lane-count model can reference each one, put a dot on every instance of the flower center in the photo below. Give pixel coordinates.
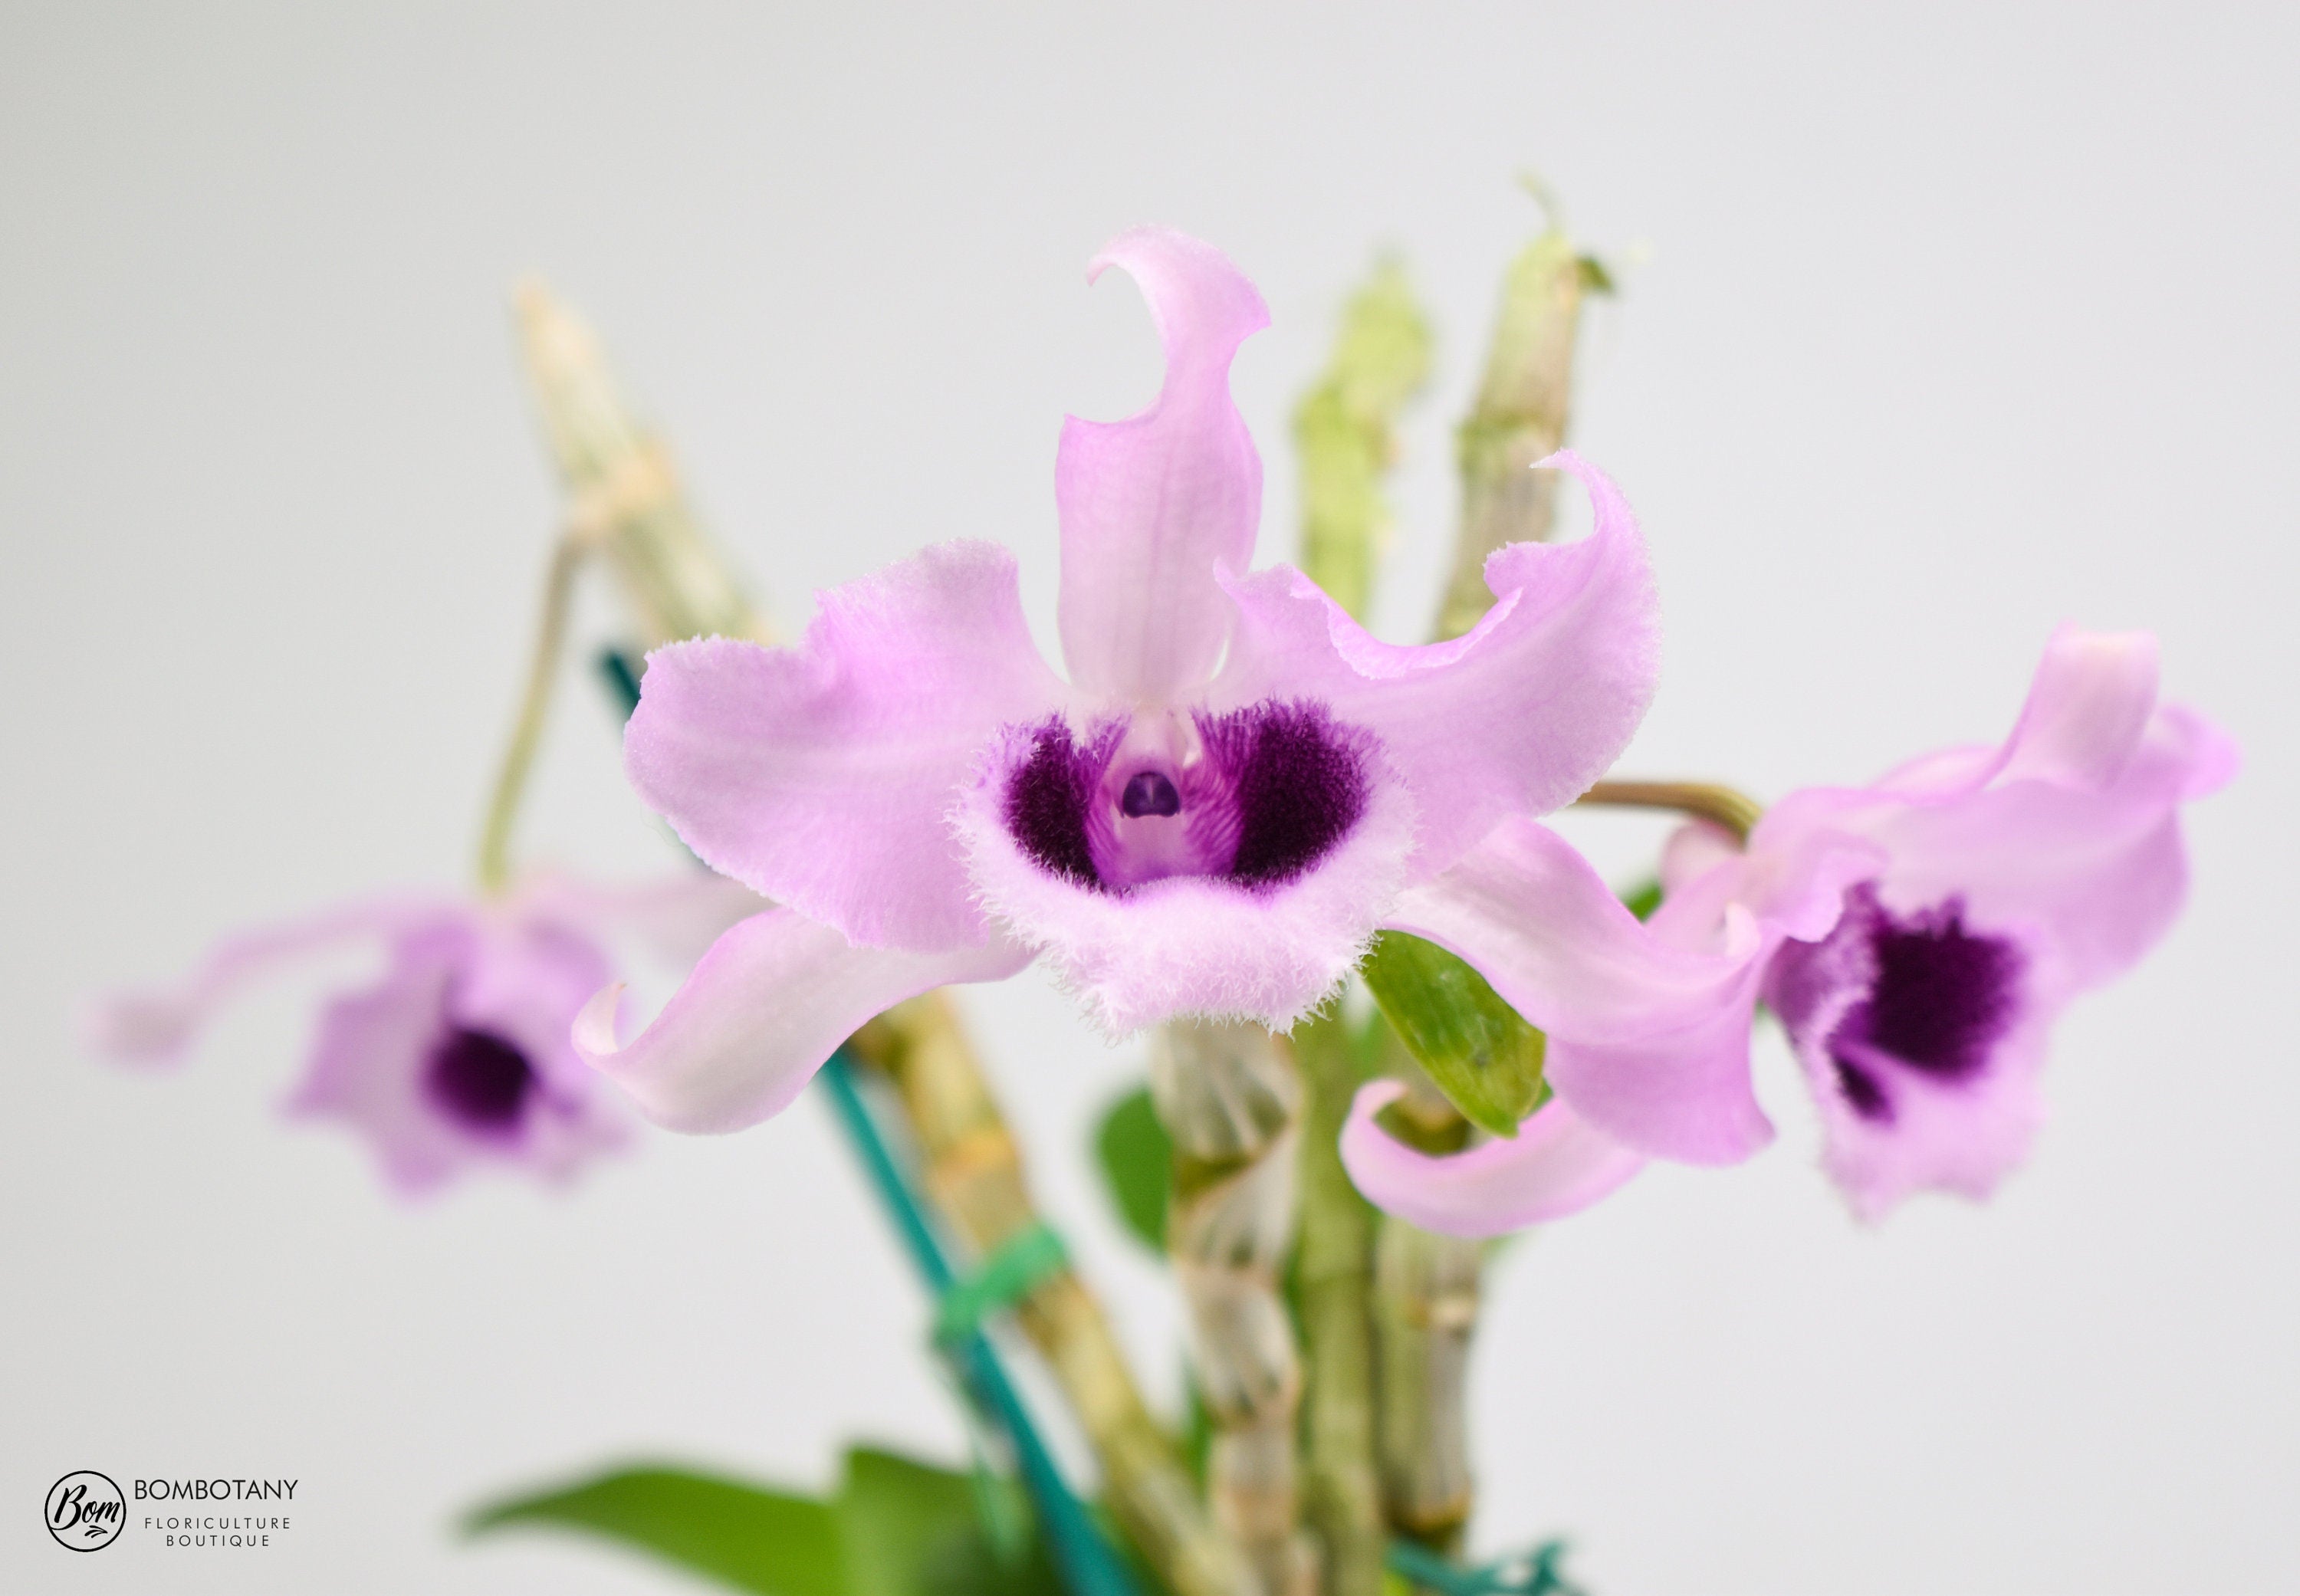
(479, 1081)
(1941, 998)
(1256, 797)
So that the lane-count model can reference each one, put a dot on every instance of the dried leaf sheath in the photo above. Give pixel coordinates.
(1229, 1098)
(624, 496)
(973, 1174)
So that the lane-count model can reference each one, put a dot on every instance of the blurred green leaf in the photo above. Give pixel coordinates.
(1643, 898)
(892, 1512)
(898, 1527)
(1477, 1048)
(912, 1529)
(1344, 434)
(740, 1534)
(1137, 1160)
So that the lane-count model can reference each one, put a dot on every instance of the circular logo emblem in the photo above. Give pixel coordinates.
(86, 1510)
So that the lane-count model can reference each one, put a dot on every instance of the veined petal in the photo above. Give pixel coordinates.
(1151, 505)
(1519, 716)
(817, 776)
(1557, 1165)
(766, 1006)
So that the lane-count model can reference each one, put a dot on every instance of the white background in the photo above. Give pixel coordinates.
(1942, 324)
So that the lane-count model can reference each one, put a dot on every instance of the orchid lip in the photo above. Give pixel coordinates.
(1256, 797)
(1934, 1000)
(480, 1080)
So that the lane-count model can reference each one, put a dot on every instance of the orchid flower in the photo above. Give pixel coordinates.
(2014, 879)
(1917, 938)
(1210, 816)
(457, 1057)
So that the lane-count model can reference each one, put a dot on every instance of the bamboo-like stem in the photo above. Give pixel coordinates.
(1425, 1292)
(1231, 1099)
(1736, 812)
(1426, 1303)
(1520, 416)
(534, 710)
(973, 1172)
(624, 491)
(1334, 1276)
(1346, 440)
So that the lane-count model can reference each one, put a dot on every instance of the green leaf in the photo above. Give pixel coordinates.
(740, 1534)
(1477, 1048)
(912, 1529)
(1643, 898)
(1137, 1161)
(898, 1527)
(891, 1512)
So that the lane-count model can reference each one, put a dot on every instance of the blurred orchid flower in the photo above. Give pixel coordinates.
(2012, 879)
(1917, 938)
(458, 1056)
(1211, 816)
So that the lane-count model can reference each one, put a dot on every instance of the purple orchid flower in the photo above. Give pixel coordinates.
(1210, 816)
(1917, 937)
(2014, 878)
(457, 1058)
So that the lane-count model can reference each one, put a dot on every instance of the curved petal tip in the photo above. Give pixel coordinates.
(1557, 1165)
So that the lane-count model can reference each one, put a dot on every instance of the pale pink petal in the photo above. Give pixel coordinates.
(1519, 716)
(769, 1002)
(2088, 707)
(364, 1062)
(1151, 505)
(817, 776)
(158, 1025)
(2066, 836)
(1648, 1025)
(1539, 923)
(674, 917)
(1693, 851)
(517, 980)
(1557, 1165)
(1190, 944)
(1913, 1130)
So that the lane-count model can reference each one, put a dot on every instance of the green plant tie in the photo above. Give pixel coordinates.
(1012, 1272)
(1533, 1573)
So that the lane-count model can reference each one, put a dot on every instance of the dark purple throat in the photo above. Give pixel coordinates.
(1943, 997)
(480, 1080)
(1274, 788)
